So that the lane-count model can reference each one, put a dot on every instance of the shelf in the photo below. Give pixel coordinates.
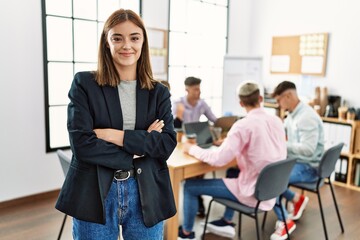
(342, 121)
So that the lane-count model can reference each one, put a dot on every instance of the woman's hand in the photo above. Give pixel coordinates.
(157, 125)
(110, 135)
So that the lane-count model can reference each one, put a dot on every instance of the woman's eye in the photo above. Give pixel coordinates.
(135, 39)
(116, 39)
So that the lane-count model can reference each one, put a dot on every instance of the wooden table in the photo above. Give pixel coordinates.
(181, 167)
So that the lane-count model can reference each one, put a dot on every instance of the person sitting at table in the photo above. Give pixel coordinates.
(190, 108)
(254, 142)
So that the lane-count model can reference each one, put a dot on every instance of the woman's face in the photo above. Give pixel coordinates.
(125, 42)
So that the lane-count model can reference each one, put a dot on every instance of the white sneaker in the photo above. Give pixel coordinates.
(221, 228)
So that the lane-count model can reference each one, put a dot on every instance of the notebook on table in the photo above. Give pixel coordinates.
(202, 130)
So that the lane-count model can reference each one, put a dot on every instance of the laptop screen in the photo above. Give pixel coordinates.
(202, 130)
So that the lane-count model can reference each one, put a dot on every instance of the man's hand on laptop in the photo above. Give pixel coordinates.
(218, 142)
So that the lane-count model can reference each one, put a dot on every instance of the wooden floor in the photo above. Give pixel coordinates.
(39, 220)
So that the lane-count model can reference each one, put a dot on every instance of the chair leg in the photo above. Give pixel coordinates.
(264, 220)
(62, 227)
(239, 227)
(322, 214)
(283, 216)
(257, 226)
(336, 207)
(207, 219)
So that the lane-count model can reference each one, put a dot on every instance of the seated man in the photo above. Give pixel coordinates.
(305, 142)
(254, 141)
(189, 109)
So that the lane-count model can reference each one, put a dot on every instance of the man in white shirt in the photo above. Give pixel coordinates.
(305, 142)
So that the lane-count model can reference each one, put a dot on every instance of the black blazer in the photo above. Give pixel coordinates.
(94, 160)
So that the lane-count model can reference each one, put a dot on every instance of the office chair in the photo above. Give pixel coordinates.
(225, 122)
(65, 164)
(271, 183)
(326, 167)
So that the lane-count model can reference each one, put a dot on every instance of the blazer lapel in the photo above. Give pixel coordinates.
(114, 108)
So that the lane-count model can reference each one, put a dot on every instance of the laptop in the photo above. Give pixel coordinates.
(204, 137)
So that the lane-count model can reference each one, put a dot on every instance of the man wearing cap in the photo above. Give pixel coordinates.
(254, 141)
(305, 143)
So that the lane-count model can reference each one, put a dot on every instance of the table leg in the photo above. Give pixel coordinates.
(172, 224)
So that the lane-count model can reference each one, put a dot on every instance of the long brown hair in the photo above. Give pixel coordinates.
(106, 73)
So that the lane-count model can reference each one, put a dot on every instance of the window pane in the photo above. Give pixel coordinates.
(178, 10)
(177, 76)
(59, 39)
(60, 76)
(105, 8)
(59, 136)
(177, 46)
(212, 82)
(219, 22)
(131, 4)
(217, 2)
(80, 67)
(195, 21)
(85, 41)
(60, 8)
(85, 9)
(194, 50)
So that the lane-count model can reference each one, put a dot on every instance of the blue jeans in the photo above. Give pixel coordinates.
(123, 208)
(302, 172)
(196, 187)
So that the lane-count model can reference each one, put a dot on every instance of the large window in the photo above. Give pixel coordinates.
(197, 46)
(71, 31)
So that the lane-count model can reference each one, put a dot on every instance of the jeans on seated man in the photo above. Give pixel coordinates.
(253, 144)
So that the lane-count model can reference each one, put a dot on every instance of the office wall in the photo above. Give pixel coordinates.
(283, 17)
(25, 167)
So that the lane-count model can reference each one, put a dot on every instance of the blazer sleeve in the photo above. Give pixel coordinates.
(81, 113)
(154, 144)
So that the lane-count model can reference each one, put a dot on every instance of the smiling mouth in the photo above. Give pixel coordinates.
(127, 54)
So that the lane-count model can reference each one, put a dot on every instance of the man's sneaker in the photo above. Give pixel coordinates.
(181, 234)
(280, 230)
(221, 228)
(299, 207)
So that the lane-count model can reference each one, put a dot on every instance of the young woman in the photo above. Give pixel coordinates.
(121, 134)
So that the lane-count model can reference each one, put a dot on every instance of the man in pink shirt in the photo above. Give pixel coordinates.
(254, 141)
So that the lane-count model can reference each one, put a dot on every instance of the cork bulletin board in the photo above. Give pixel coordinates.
(301, 54)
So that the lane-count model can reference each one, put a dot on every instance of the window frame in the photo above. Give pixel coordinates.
(50, 147)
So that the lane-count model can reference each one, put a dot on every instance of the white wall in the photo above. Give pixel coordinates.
(25, 167)
(293, 17)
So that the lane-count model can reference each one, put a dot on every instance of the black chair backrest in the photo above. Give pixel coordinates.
(273, 179)
(65, 161)
(328, 160)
